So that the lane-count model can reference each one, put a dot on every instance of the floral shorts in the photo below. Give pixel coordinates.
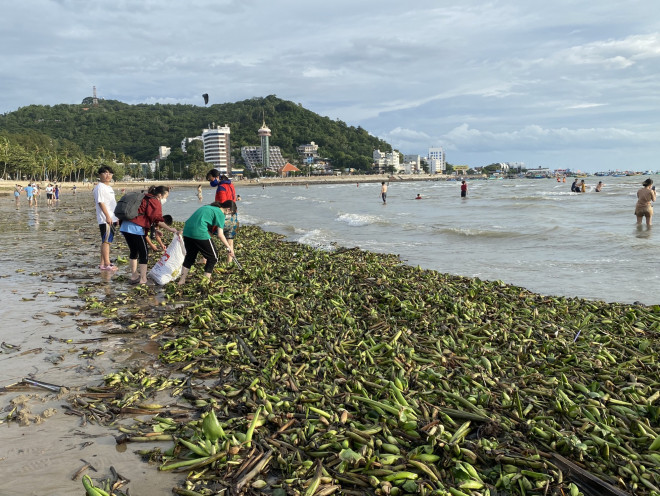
(231, 225)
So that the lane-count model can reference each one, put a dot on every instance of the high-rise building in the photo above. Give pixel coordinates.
(217, 149)
(264, 134)
(436, 160)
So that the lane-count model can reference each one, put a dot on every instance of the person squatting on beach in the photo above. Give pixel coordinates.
(197, 236)
(135, 231)
(644, 208)
(225, 192)
(383, 191)
(463, 189)
(104, 199)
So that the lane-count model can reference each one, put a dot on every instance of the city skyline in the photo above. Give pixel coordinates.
(497, 81)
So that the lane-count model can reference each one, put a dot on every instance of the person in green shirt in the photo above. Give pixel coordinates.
(197, 236)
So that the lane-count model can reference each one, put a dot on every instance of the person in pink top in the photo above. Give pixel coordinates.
(645, 198)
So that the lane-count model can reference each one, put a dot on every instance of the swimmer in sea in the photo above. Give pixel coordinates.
(383, 192)
(418, 197)
(599, 186)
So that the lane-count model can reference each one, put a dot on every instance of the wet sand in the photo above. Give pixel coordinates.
(46, 255)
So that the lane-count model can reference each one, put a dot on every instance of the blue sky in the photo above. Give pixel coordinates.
(552, 84)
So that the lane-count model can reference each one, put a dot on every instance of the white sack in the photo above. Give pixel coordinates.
(168, 268)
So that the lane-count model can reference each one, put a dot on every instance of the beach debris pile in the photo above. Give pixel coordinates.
(346, 372)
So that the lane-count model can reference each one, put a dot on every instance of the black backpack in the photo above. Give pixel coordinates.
(127, 207)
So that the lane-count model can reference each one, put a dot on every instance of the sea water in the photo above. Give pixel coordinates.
(533, 233)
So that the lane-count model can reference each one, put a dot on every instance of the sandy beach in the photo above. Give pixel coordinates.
(48, 263)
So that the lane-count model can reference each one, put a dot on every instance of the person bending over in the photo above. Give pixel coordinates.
(197, 236)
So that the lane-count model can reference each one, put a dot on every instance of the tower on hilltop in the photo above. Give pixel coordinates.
(95, 100)
(264, 134)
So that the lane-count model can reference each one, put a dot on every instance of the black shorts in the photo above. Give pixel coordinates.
(203, 246)
(107, 232)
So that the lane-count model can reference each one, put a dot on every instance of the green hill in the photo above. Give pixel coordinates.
(116, 129)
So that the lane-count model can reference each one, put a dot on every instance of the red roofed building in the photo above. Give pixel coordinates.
(288, 169)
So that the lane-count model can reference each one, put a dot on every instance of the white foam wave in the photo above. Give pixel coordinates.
(357, 220)
(317, 239)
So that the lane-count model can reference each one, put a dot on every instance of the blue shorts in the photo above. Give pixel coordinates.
(231, 224)
(107, 232)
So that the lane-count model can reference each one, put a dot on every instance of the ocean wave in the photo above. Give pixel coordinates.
(471, 232)
(299, 198)
(358, 220)
(316, 238)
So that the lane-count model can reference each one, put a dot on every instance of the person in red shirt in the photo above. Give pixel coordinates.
(135, 231)
(225, 189)
(225, 192)
(463, 189)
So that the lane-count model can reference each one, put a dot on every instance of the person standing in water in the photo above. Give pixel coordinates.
(17, 194)
(599, 186)
(383, 192)
(645, 198)
(199, 192)
(463, 189)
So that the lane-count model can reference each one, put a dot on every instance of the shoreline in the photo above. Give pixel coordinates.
(7, 186)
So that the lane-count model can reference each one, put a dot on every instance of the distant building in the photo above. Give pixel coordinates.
(217, 149)
(412, 164)
(382, 160)
(252, 156)
(186, 141)
(164, 152)
(265, 157)
(436, 160)
(308, 152)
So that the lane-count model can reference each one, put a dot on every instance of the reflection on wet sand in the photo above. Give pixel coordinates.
(46, 254)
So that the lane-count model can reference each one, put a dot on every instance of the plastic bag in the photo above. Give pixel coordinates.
(168, 268)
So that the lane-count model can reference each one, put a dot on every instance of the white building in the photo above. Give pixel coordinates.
(164, 152)
(217, 150)
(436, 160)
(383, 160)
(186, 141)
(412, 164)
(254, 158)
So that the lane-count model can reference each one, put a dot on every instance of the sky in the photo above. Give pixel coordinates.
(558, 84)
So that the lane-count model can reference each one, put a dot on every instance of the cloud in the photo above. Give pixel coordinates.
(543, 139)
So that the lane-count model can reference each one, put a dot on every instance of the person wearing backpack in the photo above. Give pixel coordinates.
(104, 199)
(135, 231)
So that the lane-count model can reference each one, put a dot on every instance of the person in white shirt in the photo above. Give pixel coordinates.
(104, 198)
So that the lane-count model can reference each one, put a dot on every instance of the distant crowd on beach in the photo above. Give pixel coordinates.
(33, 192)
